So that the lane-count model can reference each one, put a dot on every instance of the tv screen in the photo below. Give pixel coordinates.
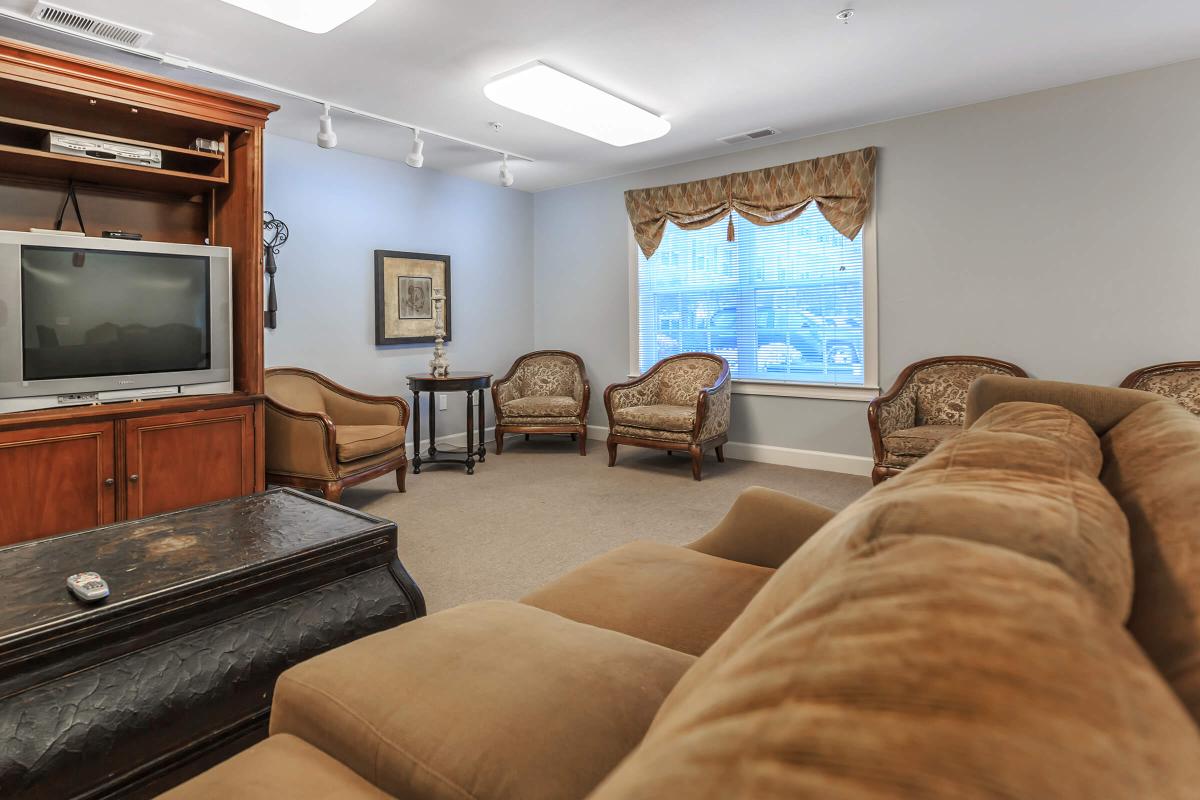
(87, 313)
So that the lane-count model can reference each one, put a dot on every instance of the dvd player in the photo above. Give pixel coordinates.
(102, 150)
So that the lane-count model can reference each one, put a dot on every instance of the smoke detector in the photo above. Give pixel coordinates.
(749, 136)
(844, 15)
(73, 21)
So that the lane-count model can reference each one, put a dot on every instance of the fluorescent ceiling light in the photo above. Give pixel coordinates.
(544, 92)
(314, 16)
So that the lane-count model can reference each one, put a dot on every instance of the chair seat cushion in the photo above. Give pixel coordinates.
(359, 441)
(919, 441)
(487, 700)
(281, 766)
(672, 596)
(657, 417)
(547, 406)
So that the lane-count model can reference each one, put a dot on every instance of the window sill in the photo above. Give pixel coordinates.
(811, 391)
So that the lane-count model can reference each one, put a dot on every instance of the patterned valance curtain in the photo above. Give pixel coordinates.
(842, 186)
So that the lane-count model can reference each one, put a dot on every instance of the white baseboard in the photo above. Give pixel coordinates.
(785, 456)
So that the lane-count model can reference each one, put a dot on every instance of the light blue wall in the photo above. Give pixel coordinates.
(1054, 229)
(340, 207)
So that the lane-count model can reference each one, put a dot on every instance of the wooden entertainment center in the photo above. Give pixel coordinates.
(78, 467)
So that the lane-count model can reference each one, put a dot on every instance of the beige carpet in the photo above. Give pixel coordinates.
(540, 509)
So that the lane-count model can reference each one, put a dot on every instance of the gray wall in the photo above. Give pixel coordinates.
(340, 207)
(1054, 229)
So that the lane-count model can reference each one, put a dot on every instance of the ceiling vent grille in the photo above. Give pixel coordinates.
(77, 22)
(749, 136)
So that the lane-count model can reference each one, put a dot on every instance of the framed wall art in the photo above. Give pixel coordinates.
(404, 287)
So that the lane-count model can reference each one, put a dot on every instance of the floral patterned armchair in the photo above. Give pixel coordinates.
(681, 403)
(546, 391)
(925, 406)
(1179, 380)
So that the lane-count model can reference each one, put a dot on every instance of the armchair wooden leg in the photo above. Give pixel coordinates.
(499, 440)
(697, 460)
(582, 437)
(721, 453)
(332, 491)
(612, 453)
(400, 473)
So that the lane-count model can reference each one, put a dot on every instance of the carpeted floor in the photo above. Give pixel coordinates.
(540, 509)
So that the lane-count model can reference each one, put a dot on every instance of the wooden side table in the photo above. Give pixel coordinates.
(469, 382)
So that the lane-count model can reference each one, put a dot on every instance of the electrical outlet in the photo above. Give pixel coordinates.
(442, 402)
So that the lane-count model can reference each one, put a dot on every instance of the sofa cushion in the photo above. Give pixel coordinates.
(919, 441)
(933, 668)
(541, 406)
(487, 700)
(360, 441)
(281, 766)
(1152, 467)
(658, 417)
(672, 596)
(1034, 493)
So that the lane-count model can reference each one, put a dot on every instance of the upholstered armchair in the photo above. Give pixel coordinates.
(546, 391)
(324, 436)
(1179, 380)
(681, 403)
(925, 406)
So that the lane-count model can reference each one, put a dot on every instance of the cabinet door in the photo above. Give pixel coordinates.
(56, 479)
(174, 461)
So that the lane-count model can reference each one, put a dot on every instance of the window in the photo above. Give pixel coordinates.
(788, 305)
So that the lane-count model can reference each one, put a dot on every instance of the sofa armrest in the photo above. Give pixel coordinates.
(1100, 406)
(300, 443)
(763, 527)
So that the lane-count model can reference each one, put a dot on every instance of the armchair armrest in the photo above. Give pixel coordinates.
(639, 391)
(763, 527)
(506, 389)
(890, 412)
(300, 442)
(712, 408)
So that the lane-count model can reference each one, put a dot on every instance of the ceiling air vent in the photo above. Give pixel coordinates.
(749, 136)
(77, 22)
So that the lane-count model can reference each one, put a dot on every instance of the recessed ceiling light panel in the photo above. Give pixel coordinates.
(314, 16)
(544, 92)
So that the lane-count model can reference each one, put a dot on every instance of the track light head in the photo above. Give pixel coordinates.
(416, 157)
(326, 137)
(506, 173)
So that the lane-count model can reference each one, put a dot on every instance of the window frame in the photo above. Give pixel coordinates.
(870, 388)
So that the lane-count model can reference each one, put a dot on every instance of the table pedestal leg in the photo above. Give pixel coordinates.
(482, 447)
(416, 462)
(470, 433)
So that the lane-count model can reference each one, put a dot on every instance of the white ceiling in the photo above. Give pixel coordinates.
(711, 68)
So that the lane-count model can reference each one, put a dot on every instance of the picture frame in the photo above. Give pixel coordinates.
(404, 287)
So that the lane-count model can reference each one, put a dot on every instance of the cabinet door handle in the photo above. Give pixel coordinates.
(133, 478)
(109, 481)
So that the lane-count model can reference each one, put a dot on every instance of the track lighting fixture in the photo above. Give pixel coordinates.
(506, 173)
(326, 137)
(416, 157)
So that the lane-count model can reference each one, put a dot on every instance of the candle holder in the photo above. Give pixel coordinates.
(439, 367)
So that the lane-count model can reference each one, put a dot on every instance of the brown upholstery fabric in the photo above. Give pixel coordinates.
(658, 417)
(668, 595)
(1033, 492)
(1181, 385)
(1100, 406)
(280, 767)
(542, 406)
(842, 186)
(685, 437)
(1152, 467)
(763, 527)
(487, 700)
(296, 391)
(919, 441)
(925, 667)
(359, 441)
(940, 391)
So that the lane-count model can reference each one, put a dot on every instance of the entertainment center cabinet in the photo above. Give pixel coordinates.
(77, 467)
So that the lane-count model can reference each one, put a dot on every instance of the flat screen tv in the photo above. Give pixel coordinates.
(86, 320)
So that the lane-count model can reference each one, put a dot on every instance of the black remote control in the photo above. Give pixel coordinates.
(135, 237)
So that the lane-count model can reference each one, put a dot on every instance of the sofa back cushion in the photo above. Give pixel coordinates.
(1023, 478)
(549, 376)
(681, 379)
(1152, 468)
(940, 391)
(926, 667)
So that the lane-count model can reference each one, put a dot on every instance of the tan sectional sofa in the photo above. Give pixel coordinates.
(1015, 616)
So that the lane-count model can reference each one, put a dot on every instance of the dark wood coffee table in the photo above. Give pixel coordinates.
(175, 670)
(469, 382)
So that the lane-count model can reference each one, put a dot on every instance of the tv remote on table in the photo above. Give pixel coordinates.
(88, 586)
